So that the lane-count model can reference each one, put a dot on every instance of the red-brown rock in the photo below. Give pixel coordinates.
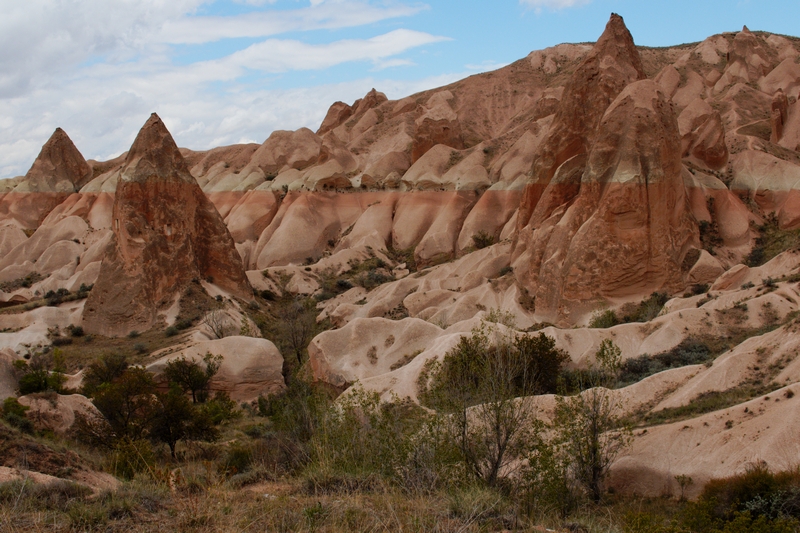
(166, 233)
(58, 171)
(779, 114)
(612, 64)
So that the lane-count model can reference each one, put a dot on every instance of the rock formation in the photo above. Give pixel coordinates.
(605, 214)
(58, 171)
(778, 115)
(166, 233)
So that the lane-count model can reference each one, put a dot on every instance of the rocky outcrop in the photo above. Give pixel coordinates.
(606, 214)
(166, 233)
(250, 367)
(58, 171)
(612, 64)
(778, 115)
(56, 412)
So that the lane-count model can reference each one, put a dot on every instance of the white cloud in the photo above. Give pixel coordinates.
(98, 68)
(275, 55)
(320, 15)
(553, 4)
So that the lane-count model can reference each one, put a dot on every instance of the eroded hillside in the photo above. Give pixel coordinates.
(564, 189)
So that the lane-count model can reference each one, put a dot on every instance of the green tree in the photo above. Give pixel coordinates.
(42, 373)
(191, 377)
(175, 419)
(128, 403)
(589, 428)
(104, 370)
(482, 384)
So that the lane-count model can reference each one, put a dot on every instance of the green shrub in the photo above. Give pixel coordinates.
(130, 457)
(688, 352)
(14, 413)
(237, 459)
(604, 319)
(482, 240)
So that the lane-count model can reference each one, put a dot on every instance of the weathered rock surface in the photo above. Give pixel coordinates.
(609, 211)
(57, 412)
(58, 171)
(166, 233)
(250, 367)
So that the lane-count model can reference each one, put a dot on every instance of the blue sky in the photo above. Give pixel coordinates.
(229, 71)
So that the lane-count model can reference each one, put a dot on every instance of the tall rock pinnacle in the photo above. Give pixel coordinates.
(58, 171)
(605, 214)
(612, 64)
(60, 167)
(166, 233)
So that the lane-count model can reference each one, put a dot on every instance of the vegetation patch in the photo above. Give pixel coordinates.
(772, 241)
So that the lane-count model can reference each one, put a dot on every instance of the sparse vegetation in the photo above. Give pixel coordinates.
(771, 241)
(482, 239)
(644, 311)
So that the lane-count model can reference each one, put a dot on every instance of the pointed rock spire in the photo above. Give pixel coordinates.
(59, 167)
(607, 193)
(612, 64)
(154, 154)
(167, 234)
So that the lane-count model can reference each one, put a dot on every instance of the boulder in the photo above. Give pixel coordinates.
(57, 412)
(250, 367)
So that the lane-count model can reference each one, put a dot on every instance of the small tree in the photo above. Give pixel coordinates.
(190, 377)
(300, 324)
(43, 373)
(218, 323)
(127, 403)
(589, 430)
(482, 383)
(105, 370)
(175, 419)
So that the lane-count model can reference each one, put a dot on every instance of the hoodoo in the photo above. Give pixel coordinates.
(58, 171)
(605, 213)
(166, 234)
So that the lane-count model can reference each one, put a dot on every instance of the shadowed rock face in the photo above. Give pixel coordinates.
(608, 210)
(166, 233)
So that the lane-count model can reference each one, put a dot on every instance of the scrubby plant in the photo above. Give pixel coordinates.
(190, 375)
(477, 384)
(482, 240)
(589, 429)
(13, 412)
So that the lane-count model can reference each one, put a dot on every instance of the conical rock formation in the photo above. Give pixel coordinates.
(612, 64)
(607, 210)
(166, 233)
(58, 171)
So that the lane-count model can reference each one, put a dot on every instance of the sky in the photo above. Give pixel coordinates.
(222, 72)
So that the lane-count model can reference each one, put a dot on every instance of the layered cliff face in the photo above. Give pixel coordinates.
(165, 234)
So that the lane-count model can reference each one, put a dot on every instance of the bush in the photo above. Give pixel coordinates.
(14, 413)
(130, 457)
(604, 319)
(482, 240)
(221, 408)
(688, 352)
(755, 501)
(75, 331)
(237, 459)
(171, 331)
